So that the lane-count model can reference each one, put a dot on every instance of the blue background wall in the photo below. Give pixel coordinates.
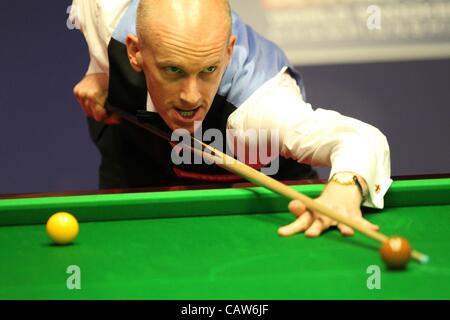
(44, 144)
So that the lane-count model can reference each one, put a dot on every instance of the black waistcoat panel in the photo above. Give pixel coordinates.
(133, 157)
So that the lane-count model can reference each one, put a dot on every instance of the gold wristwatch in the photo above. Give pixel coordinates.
(349, 178)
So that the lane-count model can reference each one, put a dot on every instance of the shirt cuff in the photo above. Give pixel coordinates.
(370, 162)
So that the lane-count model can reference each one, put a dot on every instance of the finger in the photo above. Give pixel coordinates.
(79, 99)
(326, 222)
(77, 94)
(370, 225)
(81, 102)
(299, 225)
(87, 106)
(345, 230)
(315, 229)
(112, 119)
(366, 223)
(296, 207)
(99, 112)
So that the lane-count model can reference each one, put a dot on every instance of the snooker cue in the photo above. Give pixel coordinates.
(237, 167)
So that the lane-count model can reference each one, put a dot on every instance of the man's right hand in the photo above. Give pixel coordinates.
(91, 93)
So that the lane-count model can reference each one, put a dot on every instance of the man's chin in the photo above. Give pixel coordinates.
(185, 124)
(190, 127)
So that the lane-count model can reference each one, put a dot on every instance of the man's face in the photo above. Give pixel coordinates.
(183, 78)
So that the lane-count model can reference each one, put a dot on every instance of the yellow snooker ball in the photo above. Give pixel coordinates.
(62, 228)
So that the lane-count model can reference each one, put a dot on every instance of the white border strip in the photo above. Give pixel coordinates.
(365, 54)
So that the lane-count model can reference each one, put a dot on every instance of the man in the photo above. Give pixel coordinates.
(193, 60)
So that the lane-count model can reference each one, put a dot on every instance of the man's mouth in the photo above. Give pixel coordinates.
(187, 113)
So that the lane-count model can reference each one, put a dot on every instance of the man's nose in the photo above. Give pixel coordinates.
(189, 92)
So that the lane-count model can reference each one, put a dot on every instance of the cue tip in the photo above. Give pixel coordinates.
(420, 257)
(424, 259)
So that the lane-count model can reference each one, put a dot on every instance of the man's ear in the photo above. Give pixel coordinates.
(230, 48)
(134, 52)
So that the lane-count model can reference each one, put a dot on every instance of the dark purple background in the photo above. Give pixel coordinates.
(44, 141)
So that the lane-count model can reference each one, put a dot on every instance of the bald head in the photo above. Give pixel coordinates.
(195, 20)
(183, 47)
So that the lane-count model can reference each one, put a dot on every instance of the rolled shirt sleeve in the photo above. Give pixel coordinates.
(97, 20)
(318, 137)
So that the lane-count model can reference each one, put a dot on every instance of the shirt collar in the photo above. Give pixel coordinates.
(150, 105)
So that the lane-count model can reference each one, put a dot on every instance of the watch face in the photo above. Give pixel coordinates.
(348, 178)
(344, 178)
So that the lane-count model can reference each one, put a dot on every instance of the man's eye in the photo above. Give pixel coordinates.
(173, 70)
(210, 69)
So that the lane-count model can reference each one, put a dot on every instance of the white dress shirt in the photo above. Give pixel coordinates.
(318, 137)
